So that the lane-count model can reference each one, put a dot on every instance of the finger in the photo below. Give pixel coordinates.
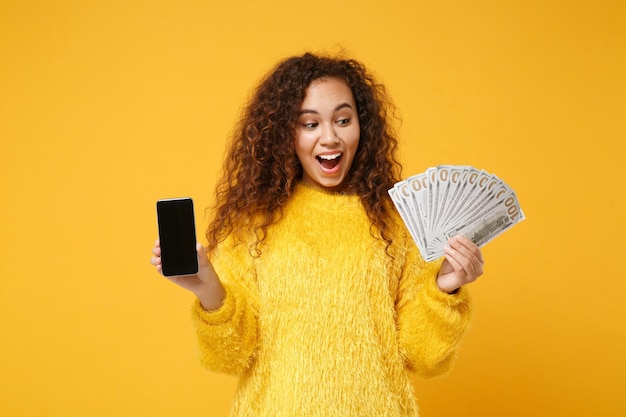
(468, 248)
(462, 263)
(476, 257)
(472, 247)
(450, 257)
(203, 260)
(471, 261)
(157, 243)
(465, 242)
(156, 251)
(446, 266)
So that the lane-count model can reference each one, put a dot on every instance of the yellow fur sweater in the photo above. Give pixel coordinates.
(324, 322)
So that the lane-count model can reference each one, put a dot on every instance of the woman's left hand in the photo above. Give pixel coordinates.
(463, 264)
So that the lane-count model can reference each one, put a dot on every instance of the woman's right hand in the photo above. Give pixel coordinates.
(205, 284)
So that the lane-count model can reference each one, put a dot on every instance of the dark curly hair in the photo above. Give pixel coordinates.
(261, 168)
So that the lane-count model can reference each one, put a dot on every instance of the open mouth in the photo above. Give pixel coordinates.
(329, 161)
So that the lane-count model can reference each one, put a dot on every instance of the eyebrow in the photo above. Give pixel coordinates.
(339, 107)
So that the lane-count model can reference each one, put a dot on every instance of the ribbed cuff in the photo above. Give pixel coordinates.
(219, 316)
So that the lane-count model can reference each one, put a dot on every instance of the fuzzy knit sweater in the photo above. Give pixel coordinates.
(324, 322)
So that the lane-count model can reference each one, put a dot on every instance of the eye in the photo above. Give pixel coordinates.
(343, 121)
(311, 125)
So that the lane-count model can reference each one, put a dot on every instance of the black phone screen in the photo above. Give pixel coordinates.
(177, 235)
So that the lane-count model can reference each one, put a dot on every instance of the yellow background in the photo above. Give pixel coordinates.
(107, 106)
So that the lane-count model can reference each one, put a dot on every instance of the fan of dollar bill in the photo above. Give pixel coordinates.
(447, 200)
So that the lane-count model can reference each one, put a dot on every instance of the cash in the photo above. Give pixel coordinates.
(448, 200)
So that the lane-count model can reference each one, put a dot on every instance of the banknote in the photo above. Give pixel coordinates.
(448, 200)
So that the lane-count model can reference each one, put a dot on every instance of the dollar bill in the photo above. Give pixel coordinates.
(448, 200)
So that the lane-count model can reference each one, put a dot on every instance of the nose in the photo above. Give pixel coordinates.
(329, 135)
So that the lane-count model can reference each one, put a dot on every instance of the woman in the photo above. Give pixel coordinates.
(311, 291)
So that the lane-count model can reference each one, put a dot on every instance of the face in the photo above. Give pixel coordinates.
(327, 134)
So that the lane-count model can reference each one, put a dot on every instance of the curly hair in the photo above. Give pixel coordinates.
(261, 168)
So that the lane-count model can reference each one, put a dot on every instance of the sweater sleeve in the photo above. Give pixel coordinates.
(431, 323)
(227, 337)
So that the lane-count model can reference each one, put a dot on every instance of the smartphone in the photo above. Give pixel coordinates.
(177, 235)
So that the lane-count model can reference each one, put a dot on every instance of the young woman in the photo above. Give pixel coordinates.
(311, 290)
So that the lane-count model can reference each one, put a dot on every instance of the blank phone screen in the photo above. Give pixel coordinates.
(177, 235)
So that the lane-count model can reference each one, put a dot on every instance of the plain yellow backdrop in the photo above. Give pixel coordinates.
(107, 106)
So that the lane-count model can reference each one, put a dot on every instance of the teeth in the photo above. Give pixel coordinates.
(329, 157)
